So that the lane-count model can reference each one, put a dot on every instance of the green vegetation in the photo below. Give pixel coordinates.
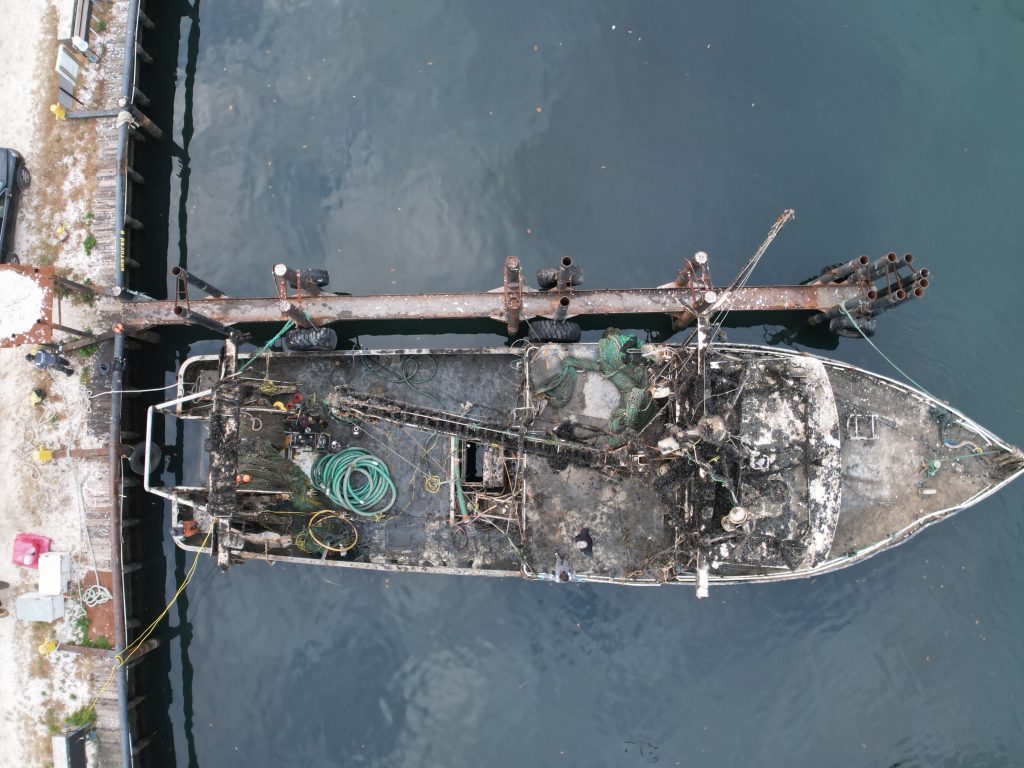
(82, 716)
(82, 624)
(54, 724)
(51, 721)
(101, 26)
(90, 241)
(84, 298)
(77, 297)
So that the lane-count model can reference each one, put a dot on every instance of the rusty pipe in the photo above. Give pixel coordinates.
(182, 273)
(295, 314)
(297, 278)
(562, 310)
(917, 293)
(565, 275)
(843, 270)
(921, 277)
(194, 318)
(881, 304)
(883, 265)
(695, 271)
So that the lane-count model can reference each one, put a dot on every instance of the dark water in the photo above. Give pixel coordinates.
(400, 145)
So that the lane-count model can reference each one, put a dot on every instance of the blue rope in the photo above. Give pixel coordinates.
(845, 311)
(287, 327)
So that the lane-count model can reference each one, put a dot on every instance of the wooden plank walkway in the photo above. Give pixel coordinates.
(96, 481)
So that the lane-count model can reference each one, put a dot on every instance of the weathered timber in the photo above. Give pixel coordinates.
(84, 650)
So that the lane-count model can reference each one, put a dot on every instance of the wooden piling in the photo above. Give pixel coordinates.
(144, 122)
(141, 53)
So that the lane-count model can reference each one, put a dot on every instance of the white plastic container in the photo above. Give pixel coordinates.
(54, 573)
(32, 606)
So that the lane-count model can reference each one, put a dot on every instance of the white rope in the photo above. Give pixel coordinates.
(131, 391)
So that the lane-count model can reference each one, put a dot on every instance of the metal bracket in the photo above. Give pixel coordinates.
(857, 422)
(513, 294)
(695, 276)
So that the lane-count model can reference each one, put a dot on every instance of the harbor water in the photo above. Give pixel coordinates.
(411, 147)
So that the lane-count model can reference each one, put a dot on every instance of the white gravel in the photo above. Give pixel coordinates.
(22, 300)
(36, 498)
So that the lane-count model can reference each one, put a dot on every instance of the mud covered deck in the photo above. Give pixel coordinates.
(421, 529)
(906, 461)
(821, 463)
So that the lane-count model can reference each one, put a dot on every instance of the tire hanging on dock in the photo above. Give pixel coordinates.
(545, 330)
(842, 326)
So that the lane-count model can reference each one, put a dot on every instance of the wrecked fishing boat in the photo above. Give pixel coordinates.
(622, 461)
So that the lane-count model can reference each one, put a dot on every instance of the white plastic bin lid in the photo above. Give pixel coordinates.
(54, 573)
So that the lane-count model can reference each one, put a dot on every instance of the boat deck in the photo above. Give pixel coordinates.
(823, 462)
(900, 466)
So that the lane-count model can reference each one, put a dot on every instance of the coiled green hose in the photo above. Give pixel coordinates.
(335, 474)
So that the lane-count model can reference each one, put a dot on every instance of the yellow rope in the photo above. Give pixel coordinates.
(324, 514)
(125, 656)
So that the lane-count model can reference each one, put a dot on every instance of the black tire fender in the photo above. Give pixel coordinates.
(841, 326)
(545, 330)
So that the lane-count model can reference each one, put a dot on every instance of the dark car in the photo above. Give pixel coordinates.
(14, 179)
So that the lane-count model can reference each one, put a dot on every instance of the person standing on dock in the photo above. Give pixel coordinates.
(563, 571)
(44, 359)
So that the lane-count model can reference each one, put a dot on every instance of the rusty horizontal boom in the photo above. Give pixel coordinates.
(329, 308)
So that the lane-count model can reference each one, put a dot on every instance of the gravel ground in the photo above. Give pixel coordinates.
(39, 691)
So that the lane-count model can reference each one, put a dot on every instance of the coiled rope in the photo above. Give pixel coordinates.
(355, 480)
(327, 531)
